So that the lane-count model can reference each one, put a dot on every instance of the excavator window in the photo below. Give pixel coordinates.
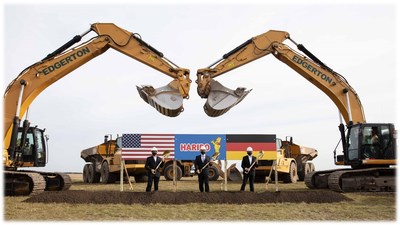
(387, 151)
(373, 141)
(41, 148)
(29, 144)
(353, 144)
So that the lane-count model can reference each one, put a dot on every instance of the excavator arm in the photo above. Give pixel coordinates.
(21, 92)
(221, 99)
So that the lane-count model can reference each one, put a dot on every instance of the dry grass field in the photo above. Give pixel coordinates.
(367, 207)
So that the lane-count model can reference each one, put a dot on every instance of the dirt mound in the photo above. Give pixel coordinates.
(115, 197)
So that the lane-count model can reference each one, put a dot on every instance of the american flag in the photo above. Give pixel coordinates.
(138, 146)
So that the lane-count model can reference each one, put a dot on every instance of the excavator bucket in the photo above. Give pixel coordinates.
(167, 100)
(234, 174)
(221, 99)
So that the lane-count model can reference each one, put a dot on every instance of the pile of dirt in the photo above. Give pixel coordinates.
(162, 197)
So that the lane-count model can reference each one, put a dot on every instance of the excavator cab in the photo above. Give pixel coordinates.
(33, 151)
(369, 144)
(30, 150)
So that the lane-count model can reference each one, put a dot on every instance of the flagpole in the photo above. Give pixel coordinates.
(226, 175)
(127, 174)
(174, 174)
(121, 175)
(267, 179)
(276, 177)
(221, 171)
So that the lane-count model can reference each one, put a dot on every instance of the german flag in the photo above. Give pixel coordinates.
(236, 145)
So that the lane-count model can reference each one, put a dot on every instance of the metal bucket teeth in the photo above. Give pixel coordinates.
(166, 100)
(221, 99)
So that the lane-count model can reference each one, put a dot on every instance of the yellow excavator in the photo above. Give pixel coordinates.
(369, 148)
(25, 146)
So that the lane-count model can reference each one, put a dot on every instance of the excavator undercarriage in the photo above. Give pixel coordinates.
(353, 180)
(20, 183)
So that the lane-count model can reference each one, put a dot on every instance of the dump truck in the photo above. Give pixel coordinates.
(293, 162)
(103, 163)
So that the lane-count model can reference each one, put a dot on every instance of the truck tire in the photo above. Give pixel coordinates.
(213, 173)
(259, 178)
(85, 173)
(106, 176)
(305, 170)
(290, 177)
(169, 172)
(93, 176)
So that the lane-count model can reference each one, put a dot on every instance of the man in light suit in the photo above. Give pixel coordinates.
(152, 173)
(249, 173)
(200, 161)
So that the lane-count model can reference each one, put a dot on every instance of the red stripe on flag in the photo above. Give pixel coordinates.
(151, 135)
(257, 146)
(145, 138)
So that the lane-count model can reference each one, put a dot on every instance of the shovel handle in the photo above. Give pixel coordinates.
(260, 155)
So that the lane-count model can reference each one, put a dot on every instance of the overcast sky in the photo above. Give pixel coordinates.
(356, 40)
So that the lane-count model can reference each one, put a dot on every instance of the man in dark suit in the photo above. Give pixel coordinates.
(200, 161)
(152, 173)
(249, 173)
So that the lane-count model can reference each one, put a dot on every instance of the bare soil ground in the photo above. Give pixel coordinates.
(185, 197)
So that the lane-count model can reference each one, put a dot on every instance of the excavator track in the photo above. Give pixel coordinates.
(367, 180)
(22, 183)
(57, 181)
(318, 179)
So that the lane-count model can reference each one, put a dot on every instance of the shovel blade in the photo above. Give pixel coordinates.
(166, 100)
(221, 99)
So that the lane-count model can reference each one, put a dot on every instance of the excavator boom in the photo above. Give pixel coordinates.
(310, 67)
(219, 98)
(168, 99)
